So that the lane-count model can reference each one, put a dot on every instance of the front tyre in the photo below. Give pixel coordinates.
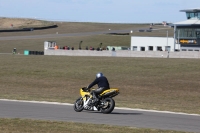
(78, 105)
(108, 105)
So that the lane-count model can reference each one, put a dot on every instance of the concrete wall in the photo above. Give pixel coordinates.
(124, 53)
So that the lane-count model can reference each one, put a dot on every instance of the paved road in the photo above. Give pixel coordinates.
(133, 118)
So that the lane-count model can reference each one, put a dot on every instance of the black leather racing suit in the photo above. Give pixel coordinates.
(102, 83)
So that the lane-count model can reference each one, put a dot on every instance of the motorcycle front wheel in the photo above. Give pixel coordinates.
(108, 105)
(78, 105)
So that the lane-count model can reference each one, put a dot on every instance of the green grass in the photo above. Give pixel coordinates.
(148, 83)
(36, 126)
(19, 23)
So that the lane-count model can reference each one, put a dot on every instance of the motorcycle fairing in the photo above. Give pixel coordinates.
(109, 91)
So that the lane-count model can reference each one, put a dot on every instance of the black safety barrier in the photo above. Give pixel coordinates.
(119, 33)
(148, 30)
(36, 52)
(28, 29)
(141, 30)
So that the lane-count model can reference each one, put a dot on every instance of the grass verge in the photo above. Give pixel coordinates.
(36, 126)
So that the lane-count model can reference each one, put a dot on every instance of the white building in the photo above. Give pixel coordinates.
(153, 44)
(188, 31)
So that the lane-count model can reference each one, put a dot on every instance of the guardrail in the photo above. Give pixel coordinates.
(28, 29)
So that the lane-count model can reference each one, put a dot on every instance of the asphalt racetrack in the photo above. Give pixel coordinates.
(121, 117)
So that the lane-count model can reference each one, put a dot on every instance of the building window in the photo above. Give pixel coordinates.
(142, 49)
(188, 15)
(192, 15)
(198, 34)
(134, 48)
(198, 15)
(150, 48)
(189, 34)
(167, 48)
(186, 33)
(159, 48)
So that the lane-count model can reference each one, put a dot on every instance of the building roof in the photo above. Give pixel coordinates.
(191, 10)
(188, 22)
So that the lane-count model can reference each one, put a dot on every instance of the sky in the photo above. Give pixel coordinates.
(106, 11)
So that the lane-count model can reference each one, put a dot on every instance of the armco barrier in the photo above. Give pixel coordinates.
(28, 29)
(125, 53)
(36, 52)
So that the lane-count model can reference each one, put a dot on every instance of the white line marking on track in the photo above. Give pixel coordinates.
(42, 102)
(121, 108)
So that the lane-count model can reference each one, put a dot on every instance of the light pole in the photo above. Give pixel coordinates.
(167, 45)
(174, 37)
(178, 40)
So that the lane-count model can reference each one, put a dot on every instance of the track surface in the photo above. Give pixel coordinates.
(121, 117)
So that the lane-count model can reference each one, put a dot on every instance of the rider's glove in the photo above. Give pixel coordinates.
(88, 89)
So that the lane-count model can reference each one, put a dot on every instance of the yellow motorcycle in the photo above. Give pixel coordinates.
(106, 104)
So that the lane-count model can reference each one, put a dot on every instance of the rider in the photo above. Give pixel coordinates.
(102, 83)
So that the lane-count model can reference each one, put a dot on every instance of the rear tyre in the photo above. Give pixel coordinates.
(78, 105)
(109, 105)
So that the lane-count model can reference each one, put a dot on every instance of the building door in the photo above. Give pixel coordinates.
(198, 37)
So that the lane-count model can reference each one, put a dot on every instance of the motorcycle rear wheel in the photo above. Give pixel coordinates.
(109, 105)
(78, 105)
